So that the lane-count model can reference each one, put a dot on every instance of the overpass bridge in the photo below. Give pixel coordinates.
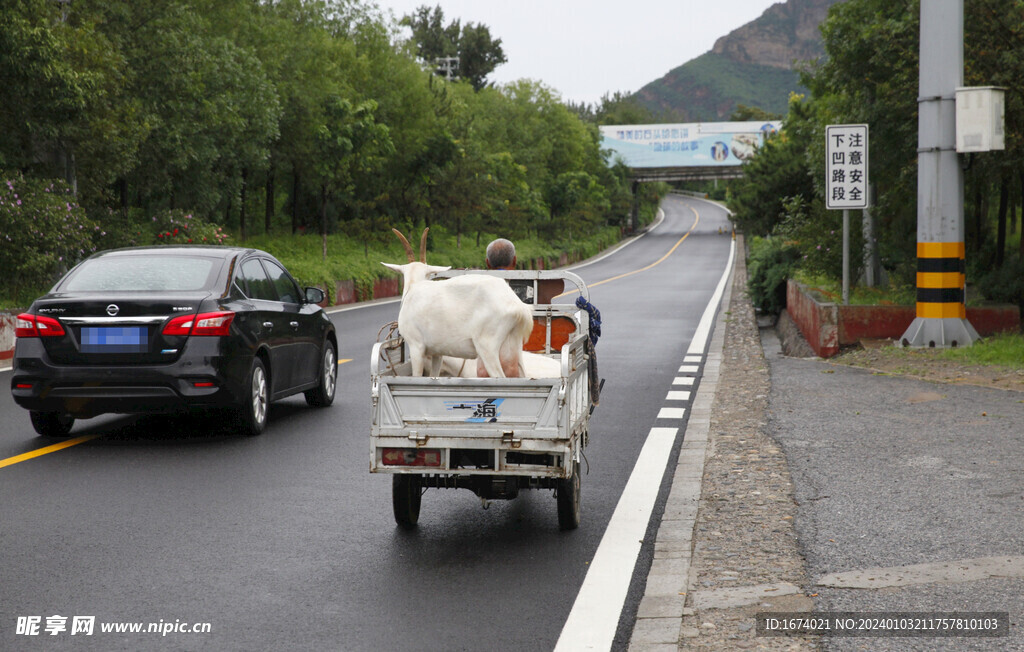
(686, 152)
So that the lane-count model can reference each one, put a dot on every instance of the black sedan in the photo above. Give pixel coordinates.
(153, 329)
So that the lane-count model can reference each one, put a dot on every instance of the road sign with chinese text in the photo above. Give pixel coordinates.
(846, 165)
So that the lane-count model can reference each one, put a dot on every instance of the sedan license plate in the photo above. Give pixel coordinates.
(115, 339)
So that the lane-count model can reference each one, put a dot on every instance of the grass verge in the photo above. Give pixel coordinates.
(351, 259)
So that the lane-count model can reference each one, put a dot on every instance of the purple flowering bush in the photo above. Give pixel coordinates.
(43, 232)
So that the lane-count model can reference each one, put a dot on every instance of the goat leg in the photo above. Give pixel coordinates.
(435, 365)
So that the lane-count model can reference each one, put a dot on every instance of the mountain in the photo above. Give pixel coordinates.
(752, 65)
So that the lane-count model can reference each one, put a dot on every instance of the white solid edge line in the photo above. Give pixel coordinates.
(594, 617)
(700, 337)
(595, 614)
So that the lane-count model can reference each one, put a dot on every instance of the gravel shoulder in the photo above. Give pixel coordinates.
(746, 556)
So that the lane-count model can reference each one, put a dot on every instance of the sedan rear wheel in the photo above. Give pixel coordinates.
(51, 424)
(323, 394)
(253, 411)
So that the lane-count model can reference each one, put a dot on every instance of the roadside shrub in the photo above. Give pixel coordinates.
(771, 262)
(117, 229)
(176, 227)
(43, 232)
(818, 235)
(1006, 284)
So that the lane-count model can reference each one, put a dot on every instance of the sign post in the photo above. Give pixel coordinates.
(846, 181)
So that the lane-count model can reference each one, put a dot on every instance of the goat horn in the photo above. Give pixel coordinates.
(423, 246)
(405, 243)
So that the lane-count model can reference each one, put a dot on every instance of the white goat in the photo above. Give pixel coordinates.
(465, 317)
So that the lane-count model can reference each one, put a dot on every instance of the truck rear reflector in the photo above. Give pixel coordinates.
(410, 457)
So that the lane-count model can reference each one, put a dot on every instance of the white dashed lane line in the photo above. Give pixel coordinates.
(671, 413)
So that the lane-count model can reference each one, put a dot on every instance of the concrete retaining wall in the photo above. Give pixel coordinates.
(818, 322)
(828, 326)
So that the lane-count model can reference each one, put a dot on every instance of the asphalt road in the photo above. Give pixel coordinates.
(285, 541)
(892, 472)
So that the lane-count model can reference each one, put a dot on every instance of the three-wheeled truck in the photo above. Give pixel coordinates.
(493, 436)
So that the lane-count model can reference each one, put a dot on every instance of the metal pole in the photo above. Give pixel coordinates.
(871, 277)
(846, 257)
(941, 313)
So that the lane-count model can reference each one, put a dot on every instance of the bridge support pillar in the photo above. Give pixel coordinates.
(634, 213)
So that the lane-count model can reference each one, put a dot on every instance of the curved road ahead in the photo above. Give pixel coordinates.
(285, 541)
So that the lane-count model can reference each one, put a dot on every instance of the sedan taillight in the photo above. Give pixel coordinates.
(207, 323)
(28, 325)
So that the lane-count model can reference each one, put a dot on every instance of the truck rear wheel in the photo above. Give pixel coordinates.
(406, 494)
(568, 496)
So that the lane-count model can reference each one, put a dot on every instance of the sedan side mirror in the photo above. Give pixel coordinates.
(315, 295)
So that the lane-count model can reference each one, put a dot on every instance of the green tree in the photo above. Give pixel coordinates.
(870, 75)
(477, 51)
(994, 56)
(307, 65)
(479, 54)
(580, 200)
(212, 111)
(744, 113)
(779, 171)
(350, 147)
(64, 108)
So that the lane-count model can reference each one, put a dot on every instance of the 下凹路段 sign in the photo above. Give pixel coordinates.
(846, 177)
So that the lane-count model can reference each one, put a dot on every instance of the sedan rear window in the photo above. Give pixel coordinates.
(143, 273)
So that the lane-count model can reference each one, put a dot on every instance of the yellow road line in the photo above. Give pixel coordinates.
(696, 220)
(344, 360)
(46, 450)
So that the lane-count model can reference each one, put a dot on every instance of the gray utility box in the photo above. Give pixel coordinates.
(979, 119)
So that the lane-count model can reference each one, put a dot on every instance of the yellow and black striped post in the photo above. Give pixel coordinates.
(941, 280)
(941, 298)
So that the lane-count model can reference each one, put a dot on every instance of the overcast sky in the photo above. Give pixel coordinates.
(586, 48)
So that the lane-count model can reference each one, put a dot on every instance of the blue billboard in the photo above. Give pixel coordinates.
(699, 144)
